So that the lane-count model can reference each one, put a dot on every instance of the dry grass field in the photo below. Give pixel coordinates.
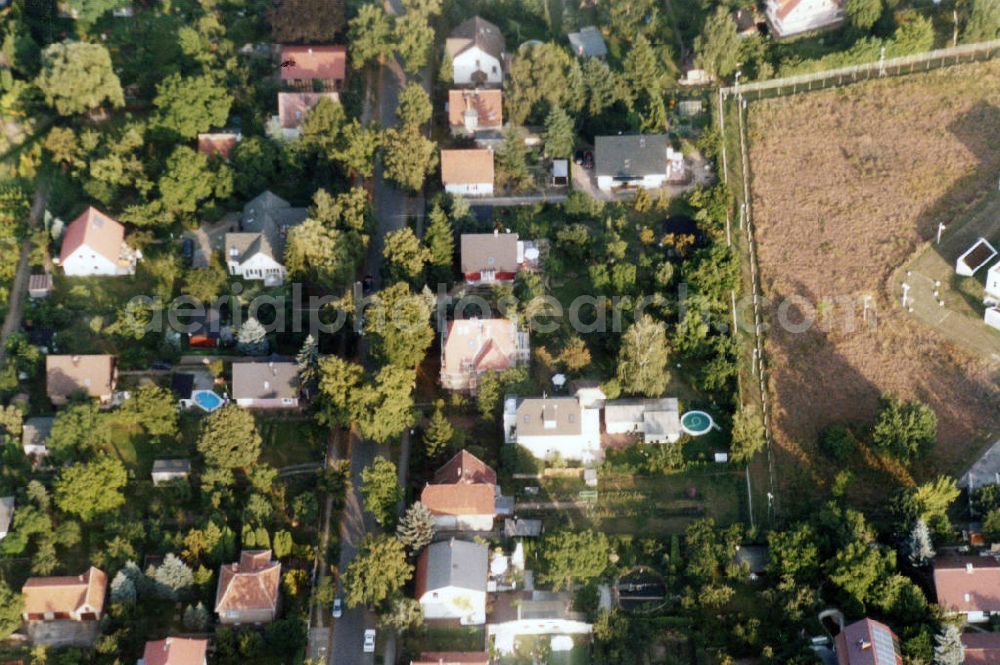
(848, 184)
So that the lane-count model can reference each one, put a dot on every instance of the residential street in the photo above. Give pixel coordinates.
(19, 287)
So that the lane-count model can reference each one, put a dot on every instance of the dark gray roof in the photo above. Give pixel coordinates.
(588, 43)
(630, 156)
(457, 563)
(36, 431)
(172, 466)
(479, 32)
(265, 223)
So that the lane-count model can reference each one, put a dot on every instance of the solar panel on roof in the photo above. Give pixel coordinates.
(885, 647)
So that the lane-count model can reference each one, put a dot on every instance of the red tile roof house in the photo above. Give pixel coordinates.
(51, 603)
(471, 112)
(867, 642)
(981, 648)
(248, 590)
(175, 651)
(488, 258)
(218, 143)
(452, 658)
(793, 17)
(463, 495)
(467, 172)
(474, 346)
(306, 67)
(293, 108)
(968, 585)
(94, 244)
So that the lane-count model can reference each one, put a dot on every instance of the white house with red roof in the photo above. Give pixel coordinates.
(175, 651)
(968, 585)
(472, 347)
(94, 245)
(793, 17)
(302, 67)
(248, 590)
(464, 495)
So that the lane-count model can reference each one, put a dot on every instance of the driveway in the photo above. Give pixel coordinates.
(585, 180)
(211, 237)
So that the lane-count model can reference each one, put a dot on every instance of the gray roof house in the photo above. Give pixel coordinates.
(451, 581)
(35, 434)
(6, 515)
(630, 161)
(658, 420)
(588, 43)
(258, 250)
(266, 385)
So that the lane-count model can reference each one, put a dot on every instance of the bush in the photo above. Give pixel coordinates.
(837, 442)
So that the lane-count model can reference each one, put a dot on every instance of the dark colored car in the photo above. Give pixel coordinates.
(578, 157)
(367, 284)
(187, 251)
(588, 159)
(162, 365)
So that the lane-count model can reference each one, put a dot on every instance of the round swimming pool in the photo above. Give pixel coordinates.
(696, 423)
(206, 400)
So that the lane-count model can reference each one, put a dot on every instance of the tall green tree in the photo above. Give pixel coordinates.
(602, 86)
(376, 572)
(641, 72)
(405, 256)
(982, 22)
(189, 180)
(154, 409)
(86, 12)
(306, 21)
(78, 431)
(439, 434)
(512, 161)
(255, 161)
(91, 489)
(321, 128)
(414, 105)
(904, 430)
(863, 14)
(541, 77)
(717, 49)
(559, 133)
(229, 439)
(416, 529)
(370, 34)
(747, 435)
(642, 359)
(356, 149)
(77, 77)
(339, 379)
(414, 39)
(408, 156)
(381, 490)
(439, 238)
(400, 324)
(324, 255)
(383, 409)
(948, 646)
(11, 606)
(570, 557)
(190, 105)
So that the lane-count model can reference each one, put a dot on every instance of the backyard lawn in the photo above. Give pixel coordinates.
(539, 645)
(290, 442)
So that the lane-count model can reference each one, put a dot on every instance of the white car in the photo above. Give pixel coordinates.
(337, 608)
(370, 641)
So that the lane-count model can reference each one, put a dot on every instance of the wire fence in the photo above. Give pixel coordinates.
(907, 64)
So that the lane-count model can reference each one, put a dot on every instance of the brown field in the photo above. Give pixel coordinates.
(847, 185)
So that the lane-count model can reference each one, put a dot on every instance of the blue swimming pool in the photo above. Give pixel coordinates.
(206, 399)
(696, 423)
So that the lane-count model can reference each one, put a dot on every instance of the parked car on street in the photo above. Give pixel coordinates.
(338, 608)
(370, 641)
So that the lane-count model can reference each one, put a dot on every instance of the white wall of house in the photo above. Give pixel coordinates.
(470, 189)
(993, 282)
(652, 181)
(258, 266)
(453, 603)
(505, 634)
(161, 477)
(463, 522)
(808, 15)
(992, 317)
(575, 447)
(85, 262)
(474, 59)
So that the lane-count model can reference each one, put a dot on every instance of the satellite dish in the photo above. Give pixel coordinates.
(531, 253)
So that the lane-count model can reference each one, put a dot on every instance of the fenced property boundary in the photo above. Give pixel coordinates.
(907, 64)
(735, 99)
